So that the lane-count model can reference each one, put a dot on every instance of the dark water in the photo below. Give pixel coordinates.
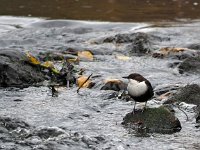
(104, 10)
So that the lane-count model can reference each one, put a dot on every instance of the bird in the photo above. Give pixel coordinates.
(139, 89)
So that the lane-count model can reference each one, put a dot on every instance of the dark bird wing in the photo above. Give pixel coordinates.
(150, 90)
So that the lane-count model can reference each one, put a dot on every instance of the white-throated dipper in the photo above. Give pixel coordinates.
(139, 88)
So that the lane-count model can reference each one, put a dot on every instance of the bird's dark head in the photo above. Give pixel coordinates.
(135, 76)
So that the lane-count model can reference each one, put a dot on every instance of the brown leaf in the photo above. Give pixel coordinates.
(81, 80)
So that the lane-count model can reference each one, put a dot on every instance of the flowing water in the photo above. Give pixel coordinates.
(90, 119)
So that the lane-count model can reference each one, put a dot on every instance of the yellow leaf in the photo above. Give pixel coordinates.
(48, 64)
(73, 60)
(81, 80)
(122, 57)
(85, 55)
(32, 59)
(54, 70)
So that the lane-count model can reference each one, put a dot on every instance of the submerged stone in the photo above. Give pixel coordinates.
(16, 71)
(158, 120)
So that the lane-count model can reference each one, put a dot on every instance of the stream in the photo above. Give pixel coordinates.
(90, 119)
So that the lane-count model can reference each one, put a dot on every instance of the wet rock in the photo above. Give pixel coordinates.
(198, 117)
(48, 132)
(12, 124)
(174, 64)
(190, 65)
(15, 71)
(128, 38)
(139, 43)
(162, 89)
(159, 120)
(194, 46)
(189, 94)
(55, 56)
(115, 85)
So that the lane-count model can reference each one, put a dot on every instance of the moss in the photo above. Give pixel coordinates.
(159, 120)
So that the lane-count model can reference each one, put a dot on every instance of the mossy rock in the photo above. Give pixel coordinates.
(158, 120)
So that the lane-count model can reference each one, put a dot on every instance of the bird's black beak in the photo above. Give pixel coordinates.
(125, 77)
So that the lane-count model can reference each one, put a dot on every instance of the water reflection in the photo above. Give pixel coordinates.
(106, 10)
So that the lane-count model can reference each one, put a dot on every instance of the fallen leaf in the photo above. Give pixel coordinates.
(54, 70)
(32, 59)
(122, 57)
(74, 60)
(48, 64)
(81, 80)
(85, 55)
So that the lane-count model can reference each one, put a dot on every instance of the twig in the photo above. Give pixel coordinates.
(182, 111)
(84, 83)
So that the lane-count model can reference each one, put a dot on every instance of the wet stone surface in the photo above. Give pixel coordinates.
(91, 119)
(16, 71)
(190, 65)
(159, 120)
(189, 94)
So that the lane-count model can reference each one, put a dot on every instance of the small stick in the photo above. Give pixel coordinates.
(84, 83)
(182, 111)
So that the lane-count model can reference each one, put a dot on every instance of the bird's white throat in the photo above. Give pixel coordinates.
(136, 88)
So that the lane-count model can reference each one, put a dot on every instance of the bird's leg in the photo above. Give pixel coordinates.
(133, 112)
(144, 106)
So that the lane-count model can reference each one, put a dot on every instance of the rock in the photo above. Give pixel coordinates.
(162, 89)
(47, 132)
(195, 46)
(189, 94)
(15, 71)
(158, 120)
(190, 65)
(115, 85)
(138, 43)
(55, 56)
(198, 117)
(12, 124)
